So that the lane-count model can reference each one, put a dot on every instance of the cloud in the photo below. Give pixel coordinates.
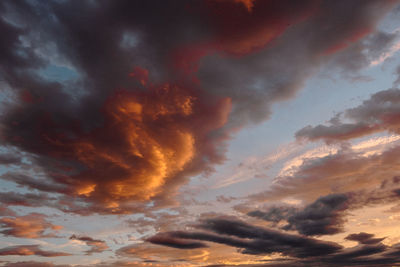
(345, 168)
(33, 225)
(25, 199)
(325, 216)
(32, 264)
(370, 51)
(171, 241)
(5, 211)
(151, 106)
(253, 240)
(40, 184)
(27, 250)
(397, 81)
(146, 252)
(274, 214)
(342, 172)
(96, 245)
(303, 251)
(376, 114)
(328, 214)
(141, 159)
(102, 264)
(364, 238)
(6, 159)
(296, 53)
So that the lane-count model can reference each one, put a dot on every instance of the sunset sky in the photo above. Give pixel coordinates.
(199, 133)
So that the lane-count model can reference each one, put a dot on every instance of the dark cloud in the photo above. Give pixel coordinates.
(28, 250)
(251, 239)
(364, 238)
(359, 255)
(117, 133)
(170, 240)
(40, 184)
(96, 245)
(325, 216)
(357, 56)
(304, 251)
(25, 199)
(85, 161)
(9, 159)
(297, 53)
(274, 214)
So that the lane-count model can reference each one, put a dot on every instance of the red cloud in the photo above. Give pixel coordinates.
(238, 31)
(242, 27)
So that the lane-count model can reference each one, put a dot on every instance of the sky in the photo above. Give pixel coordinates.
(199, 133)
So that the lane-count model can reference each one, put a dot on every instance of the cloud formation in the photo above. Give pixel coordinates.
(153, 94)
(96, 245)
(28, 250)
(33, 225)
(378, 113)
(303, 251)
(251, 239)
(325, 216)
(364, 238)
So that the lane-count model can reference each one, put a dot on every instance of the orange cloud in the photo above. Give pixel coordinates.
(249, 4)
(32, 225)
(28, 250)
(148, 142)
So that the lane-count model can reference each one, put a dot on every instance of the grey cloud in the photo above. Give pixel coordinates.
(376, 114)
